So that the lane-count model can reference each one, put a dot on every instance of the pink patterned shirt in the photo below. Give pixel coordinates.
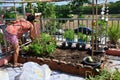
(19, 27)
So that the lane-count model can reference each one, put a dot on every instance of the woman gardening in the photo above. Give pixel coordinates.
(14, 31)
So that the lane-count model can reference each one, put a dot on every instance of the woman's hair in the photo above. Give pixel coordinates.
(30, 18)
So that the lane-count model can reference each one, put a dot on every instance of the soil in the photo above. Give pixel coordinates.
(73, 55)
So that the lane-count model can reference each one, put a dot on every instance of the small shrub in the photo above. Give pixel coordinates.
(43, 46)
(114, 33)
(37, 49)
(106, 75)
(50, 48)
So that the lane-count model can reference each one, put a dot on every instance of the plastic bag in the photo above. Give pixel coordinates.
(33, 71)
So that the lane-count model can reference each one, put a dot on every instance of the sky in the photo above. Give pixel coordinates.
(59, 3)
(99, 1)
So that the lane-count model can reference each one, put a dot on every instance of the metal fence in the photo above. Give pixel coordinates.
(57, 27)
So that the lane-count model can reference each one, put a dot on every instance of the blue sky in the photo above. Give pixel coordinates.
(59, 3)
(99, 1)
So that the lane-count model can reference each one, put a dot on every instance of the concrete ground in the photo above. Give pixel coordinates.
(10, 73)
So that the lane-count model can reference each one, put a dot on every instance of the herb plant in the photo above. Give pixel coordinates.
(69, 34)
(82, 36)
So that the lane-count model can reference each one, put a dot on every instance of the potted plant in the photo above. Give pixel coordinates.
(89, 61)
(69, 35)
(82, 38)
(113, 35)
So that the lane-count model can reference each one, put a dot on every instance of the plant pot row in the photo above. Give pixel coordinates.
(77, 45)
(76, 69)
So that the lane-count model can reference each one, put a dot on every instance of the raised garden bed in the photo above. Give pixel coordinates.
(114, 52)
(66, 60)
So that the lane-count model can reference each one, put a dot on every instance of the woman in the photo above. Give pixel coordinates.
(16, 30)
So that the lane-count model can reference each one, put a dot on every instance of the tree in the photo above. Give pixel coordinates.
(76, 6)
(63, 11)
(114, 7)
(47, 9)
(76, 3)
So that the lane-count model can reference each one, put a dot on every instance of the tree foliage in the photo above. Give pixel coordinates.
(47, 9)
(114, 8)
(63, 11)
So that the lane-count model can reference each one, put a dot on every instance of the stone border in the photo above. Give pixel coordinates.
(76, 69)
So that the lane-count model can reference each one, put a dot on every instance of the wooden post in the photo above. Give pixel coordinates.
(15, 11)
(24, 12)
(97, 44)
(92, 28)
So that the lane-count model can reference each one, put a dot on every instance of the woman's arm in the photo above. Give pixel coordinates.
(32, 32)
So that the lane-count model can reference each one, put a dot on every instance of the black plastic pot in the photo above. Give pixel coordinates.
(80, 43)
(77, 45)
(69, 42)
(93, 64)
(63, 45)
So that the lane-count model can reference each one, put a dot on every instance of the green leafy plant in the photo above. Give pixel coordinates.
(25, 48)
(82, 36)
(37, 49)
(9, 15)
(48, 42)
(1, 39)
(45, 38)
(106, 75)
(44, 46)
(50, 48)
(113, 33)
(69, 34)
(102, 27)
